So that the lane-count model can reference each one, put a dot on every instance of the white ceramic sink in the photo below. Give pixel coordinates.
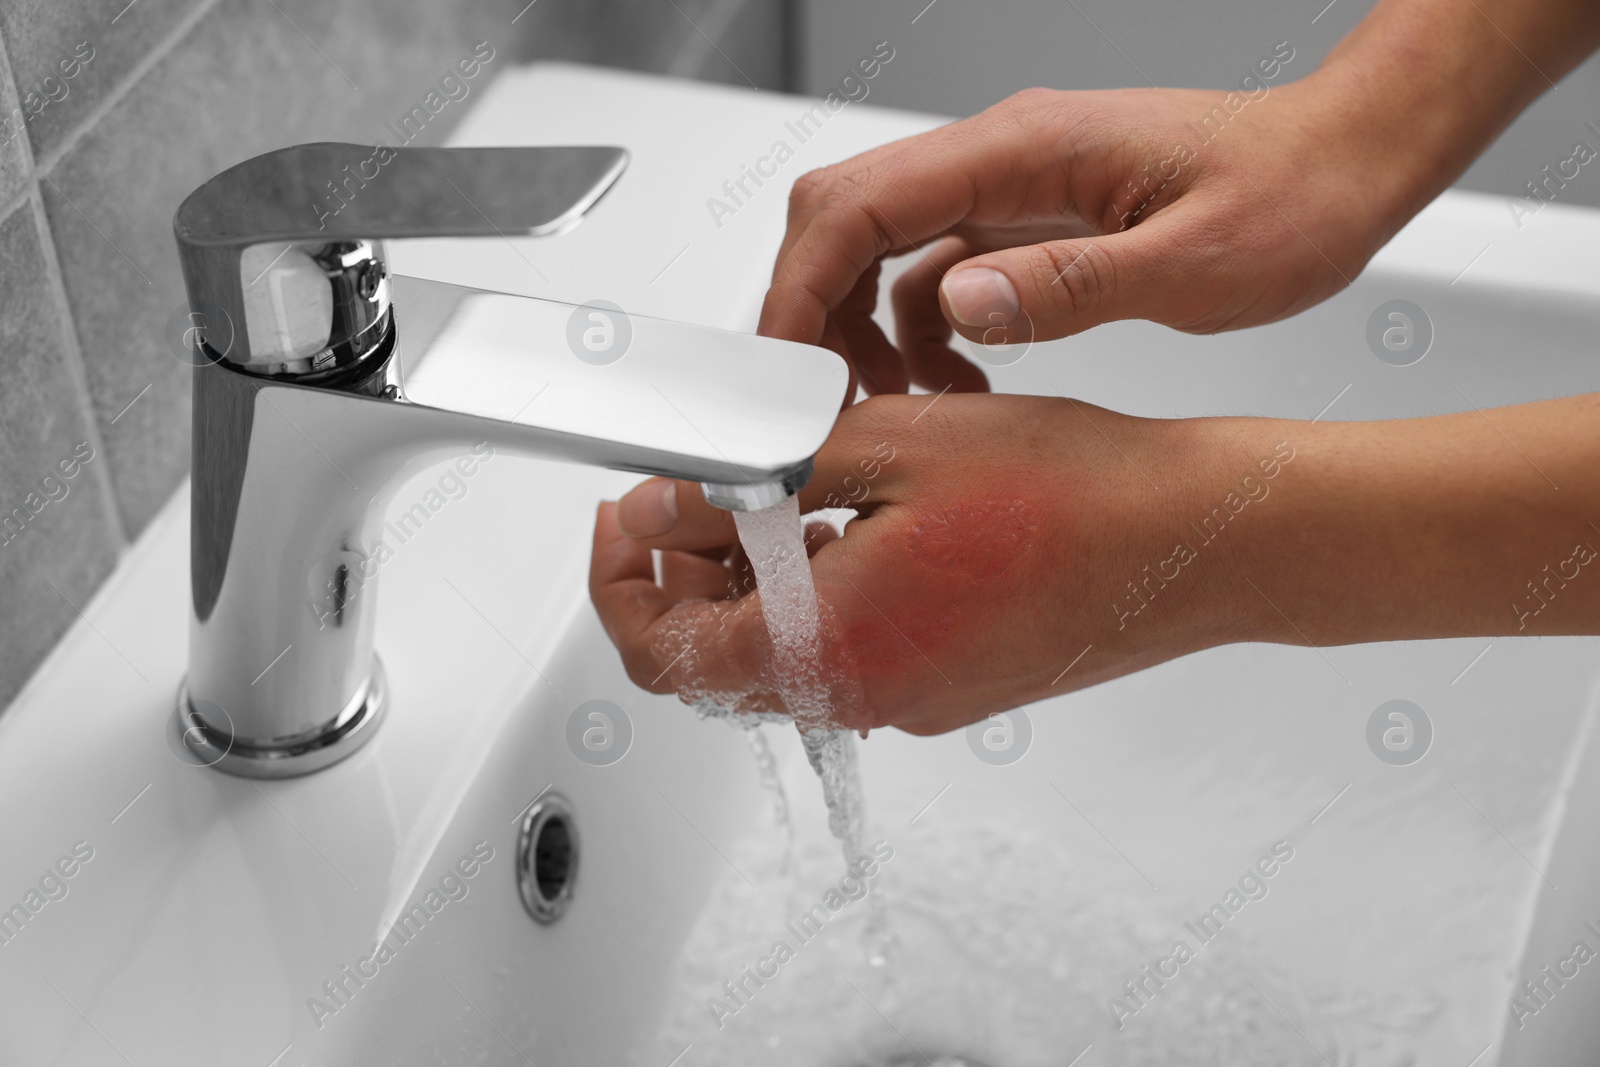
(1023, 896)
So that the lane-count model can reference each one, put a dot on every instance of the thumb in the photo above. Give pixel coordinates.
(1059, 288)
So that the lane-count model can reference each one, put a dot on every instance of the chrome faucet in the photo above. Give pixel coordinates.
(321, 382)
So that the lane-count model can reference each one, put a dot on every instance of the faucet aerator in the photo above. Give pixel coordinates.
(757, 495)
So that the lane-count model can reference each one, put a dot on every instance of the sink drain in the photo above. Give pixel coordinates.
(547, 858)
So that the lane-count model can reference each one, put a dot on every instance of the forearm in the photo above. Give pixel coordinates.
(1421, 87)
(1475, 524)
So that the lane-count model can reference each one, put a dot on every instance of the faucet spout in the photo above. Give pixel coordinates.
(296, 457)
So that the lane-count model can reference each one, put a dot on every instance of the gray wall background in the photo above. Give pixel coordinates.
(960, 56)
(176, 91)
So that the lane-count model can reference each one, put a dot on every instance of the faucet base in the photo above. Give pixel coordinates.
(196, 738)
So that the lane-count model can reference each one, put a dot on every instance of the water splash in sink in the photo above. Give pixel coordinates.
(1007, 946)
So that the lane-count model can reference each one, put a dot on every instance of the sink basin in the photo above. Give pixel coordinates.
(213, 919)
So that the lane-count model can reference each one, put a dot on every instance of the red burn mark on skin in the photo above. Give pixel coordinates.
(980, 540)
(900, 644)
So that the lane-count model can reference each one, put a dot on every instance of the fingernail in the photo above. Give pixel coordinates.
(981, 296)
(650, 510)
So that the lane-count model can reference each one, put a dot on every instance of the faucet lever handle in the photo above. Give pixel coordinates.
(302, 223)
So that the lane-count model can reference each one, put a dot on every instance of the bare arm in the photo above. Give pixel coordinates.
(1474, 524)
(1003, 534)
(1053, 212)
(1424, 86)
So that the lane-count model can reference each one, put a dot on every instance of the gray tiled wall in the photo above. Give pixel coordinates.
(128, 107)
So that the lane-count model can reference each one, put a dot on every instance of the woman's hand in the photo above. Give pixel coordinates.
(997, 540)
(1205, 210)
(1010, 548)
(1053, 212)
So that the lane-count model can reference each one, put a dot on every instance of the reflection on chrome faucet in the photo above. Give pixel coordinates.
(347, 582)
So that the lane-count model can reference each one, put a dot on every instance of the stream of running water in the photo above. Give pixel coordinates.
(774, 539)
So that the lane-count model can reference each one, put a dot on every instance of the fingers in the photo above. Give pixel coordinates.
(691, 646)
(802, 208)
(722, 572)
(883, 369)
(622, 585)
(695, 524)
(654, 508)
(669, 644)
(819, 534)
(663, 513)
(692, 576)
(743, 580)
(921, 330)
(854, 470)
(1044, 291)
(843, 219)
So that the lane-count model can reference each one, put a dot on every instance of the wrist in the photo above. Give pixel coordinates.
(1314, 564)
(1379, 149)
(1215, 481)
(1421, 87)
